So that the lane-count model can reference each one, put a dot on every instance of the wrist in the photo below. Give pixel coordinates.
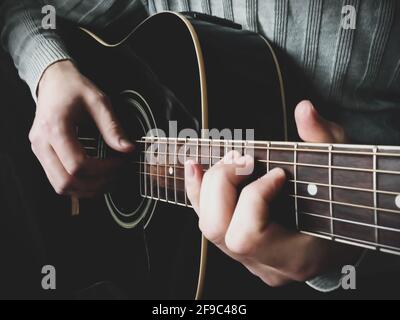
(61, 66)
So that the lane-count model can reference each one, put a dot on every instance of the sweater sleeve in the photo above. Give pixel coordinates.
(32, 47)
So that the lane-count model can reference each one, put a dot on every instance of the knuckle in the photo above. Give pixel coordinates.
(251, 191)
(77, 166)
(50, 126)
(34, 148)
(33, 136)
(230, 157)
(64, 187)
(216, 174)
(274, 281)
(302, 272)
(97, 98)
(240, 245)
(214, 232)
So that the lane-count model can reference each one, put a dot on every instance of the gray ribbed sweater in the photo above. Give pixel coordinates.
(353, 74)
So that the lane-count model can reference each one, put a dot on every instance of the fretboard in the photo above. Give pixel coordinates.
(345, 193)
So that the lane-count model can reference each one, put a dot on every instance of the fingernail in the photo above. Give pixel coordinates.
(278, 173)
(189, 169)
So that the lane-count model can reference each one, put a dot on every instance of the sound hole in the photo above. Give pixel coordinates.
(125, 202)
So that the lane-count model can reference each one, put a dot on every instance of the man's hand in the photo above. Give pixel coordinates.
(64, 98)
(239, 222)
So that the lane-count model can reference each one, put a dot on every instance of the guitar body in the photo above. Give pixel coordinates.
(199, 72)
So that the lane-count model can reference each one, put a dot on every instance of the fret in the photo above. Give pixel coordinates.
(375, 202)
(226, 147)
(268, 157)
(332, 227)
(166, 173)
(295, 186)
(150, 180)
(185, 159)
(210, 154)
(174, 166)
(197, 151)
(142, 166)
(158, 169)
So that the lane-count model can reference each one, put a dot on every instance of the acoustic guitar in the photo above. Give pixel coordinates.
(202, 72)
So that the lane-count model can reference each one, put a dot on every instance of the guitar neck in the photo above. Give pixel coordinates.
(345, 193)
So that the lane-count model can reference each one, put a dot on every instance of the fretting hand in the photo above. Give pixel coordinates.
(239, 222)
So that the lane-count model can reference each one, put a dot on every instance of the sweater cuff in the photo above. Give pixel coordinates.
(39, 58)
(332, 281)
(326, 283)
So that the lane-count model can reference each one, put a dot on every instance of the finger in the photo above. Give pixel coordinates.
(313, 128)
(218, 196)
(99, 107)
(247, 228)
(55, 171)
(68, 149)
(74, 158)
(97, 168)
(62, 182)
(193, 178)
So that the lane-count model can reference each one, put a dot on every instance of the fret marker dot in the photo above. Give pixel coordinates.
(171, 171)
(312, 190)
(398, 201)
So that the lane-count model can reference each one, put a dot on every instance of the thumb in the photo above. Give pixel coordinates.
(108, 125)
(313, 128)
